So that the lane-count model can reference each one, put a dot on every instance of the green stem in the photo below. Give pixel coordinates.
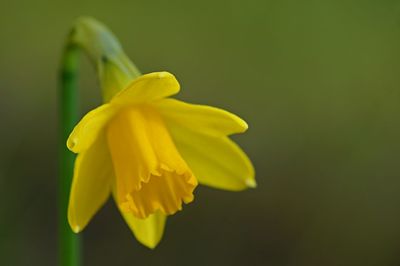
(69, 243)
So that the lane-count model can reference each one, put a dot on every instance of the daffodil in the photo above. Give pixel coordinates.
(150, 151)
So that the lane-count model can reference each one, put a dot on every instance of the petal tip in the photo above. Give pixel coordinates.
(76, 229)
(251, 183)
(170, 79)
(244, 125)
(151, 245)
(71, 144)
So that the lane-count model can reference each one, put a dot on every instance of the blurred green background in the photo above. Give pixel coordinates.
(317, 81)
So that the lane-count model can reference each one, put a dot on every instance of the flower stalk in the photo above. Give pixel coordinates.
(68, 242)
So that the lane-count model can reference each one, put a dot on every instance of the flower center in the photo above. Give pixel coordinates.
(150, 173)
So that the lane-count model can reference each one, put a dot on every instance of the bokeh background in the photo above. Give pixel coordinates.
(317, 81)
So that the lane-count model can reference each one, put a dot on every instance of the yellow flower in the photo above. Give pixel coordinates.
(150, 152)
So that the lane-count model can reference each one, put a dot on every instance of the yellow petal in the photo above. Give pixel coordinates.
(216, 161)
(89, 128)
(147, 231)
(207, 119)
(91, 185)
(148, 88)
(150, 173)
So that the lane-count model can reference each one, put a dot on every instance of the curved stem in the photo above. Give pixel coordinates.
(115, 70)
(68, 242)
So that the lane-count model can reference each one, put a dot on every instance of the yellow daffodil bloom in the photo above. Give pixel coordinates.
(150, 152)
